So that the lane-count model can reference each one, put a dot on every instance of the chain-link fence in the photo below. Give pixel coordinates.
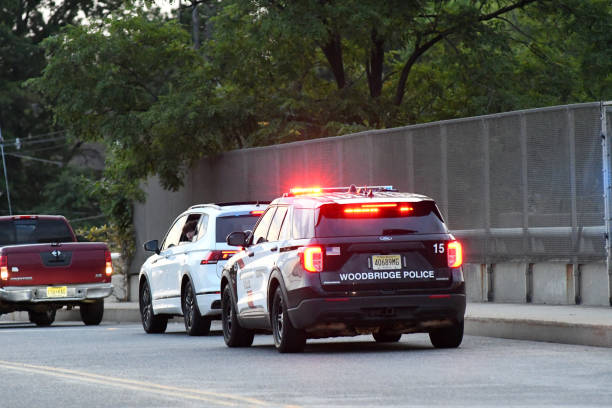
(518, 186)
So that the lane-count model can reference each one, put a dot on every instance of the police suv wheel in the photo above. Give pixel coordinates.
(287, 339)
(150, 322)
(447, 337)
(233, 334)
(195, 323)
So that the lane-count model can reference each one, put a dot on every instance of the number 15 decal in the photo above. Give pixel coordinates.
(438, 248)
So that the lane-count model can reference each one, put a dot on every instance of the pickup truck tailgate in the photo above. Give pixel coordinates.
(53, 264)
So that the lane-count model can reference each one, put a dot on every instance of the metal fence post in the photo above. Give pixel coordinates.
(605, 144)
(8, 193)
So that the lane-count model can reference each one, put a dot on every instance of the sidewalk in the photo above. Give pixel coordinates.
(590, 326)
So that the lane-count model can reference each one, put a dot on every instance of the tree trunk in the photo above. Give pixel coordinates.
(195, 22)
(374, 65)
(333, 53)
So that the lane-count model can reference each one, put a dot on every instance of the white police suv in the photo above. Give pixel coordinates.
(182, 277)
(343, 262)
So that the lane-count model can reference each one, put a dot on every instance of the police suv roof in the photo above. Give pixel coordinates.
(314, 200)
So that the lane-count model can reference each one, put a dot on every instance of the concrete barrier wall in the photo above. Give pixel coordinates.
(499, 179)
(553, 283)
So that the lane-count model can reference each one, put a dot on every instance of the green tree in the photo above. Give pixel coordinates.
(23, 26)
(272, 71)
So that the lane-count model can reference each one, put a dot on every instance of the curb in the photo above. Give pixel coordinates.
(555, 324)
(534, 330)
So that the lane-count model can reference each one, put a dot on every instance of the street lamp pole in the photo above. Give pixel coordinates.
(8, 194)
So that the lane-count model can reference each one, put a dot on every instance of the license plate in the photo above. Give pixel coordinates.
(57, 291)
(386, 262)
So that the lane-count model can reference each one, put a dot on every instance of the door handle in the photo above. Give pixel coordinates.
(250, 253)
(274, 248)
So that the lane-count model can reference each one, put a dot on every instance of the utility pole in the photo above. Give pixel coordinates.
(8, 194)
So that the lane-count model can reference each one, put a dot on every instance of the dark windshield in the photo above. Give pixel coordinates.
(34, 231)
(226, 225)
(423, 218)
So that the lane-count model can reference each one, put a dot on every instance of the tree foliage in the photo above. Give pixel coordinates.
(260, 72)
(38, 171)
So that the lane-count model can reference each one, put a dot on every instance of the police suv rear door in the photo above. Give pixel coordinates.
(388, 246)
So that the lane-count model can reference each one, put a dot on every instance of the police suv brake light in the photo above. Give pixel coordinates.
(3, 268)
(311, 258)
(454, 254)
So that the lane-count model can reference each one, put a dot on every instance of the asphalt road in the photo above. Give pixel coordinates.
(70, 365)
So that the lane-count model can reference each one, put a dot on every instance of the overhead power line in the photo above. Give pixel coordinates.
(21, 156)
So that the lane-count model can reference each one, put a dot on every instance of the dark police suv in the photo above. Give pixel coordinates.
(345, 261)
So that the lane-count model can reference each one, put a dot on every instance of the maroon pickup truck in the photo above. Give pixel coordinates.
(43, 268)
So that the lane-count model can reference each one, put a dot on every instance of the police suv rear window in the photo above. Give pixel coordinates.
(368, 218)
(225, 225)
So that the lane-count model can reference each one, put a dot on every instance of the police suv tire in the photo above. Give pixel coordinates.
(233, 334)
(447, 337)
(42, 319)
(383, 337)
(150, 322)
(287, 339)
(92, 313)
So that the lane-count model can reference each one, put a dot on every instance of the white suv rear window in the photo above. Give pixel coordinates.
(226, 225)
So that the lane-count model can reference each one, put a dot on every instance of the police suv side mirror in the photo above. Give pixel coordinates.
(152, 246)
(237, 238)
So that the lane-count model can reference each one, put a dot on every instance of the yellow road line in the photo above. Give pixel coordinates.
(185, 393)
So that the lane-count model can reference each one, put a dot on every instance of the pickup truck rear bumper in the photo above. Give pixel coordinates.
(39, 294)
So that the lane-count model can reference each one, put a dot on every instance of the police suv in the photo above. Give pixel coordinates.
(344, 261)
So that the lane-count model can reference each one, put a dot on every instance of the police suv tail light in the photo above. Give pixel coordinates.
(3, 268)
(108, 270)
(212, 257)
(454, 254)
(311, 258)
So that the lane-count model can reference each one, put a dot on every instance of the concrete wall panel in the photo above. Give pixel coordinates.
(475, 282)
(594, 285)
(509, 282)
(553, 283)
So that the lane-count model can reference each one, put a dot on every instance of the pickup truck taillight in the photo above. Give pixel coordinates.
(3, 268)
(109, 263)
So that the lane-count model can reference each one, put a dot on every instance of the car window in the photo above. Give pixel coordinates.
(202, 226)
(285, 232)
(174, 233)
(34, 231)
(303, 223)
(229, 224)
(276, 224)
(422, 218)
(261, 230)
(189, 232)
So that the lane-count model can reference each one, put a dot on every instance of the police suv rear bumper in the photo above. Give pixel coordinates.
(412, 312)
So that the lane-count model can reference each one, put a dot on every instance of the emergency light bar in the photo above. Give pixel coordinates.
(348, 189)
